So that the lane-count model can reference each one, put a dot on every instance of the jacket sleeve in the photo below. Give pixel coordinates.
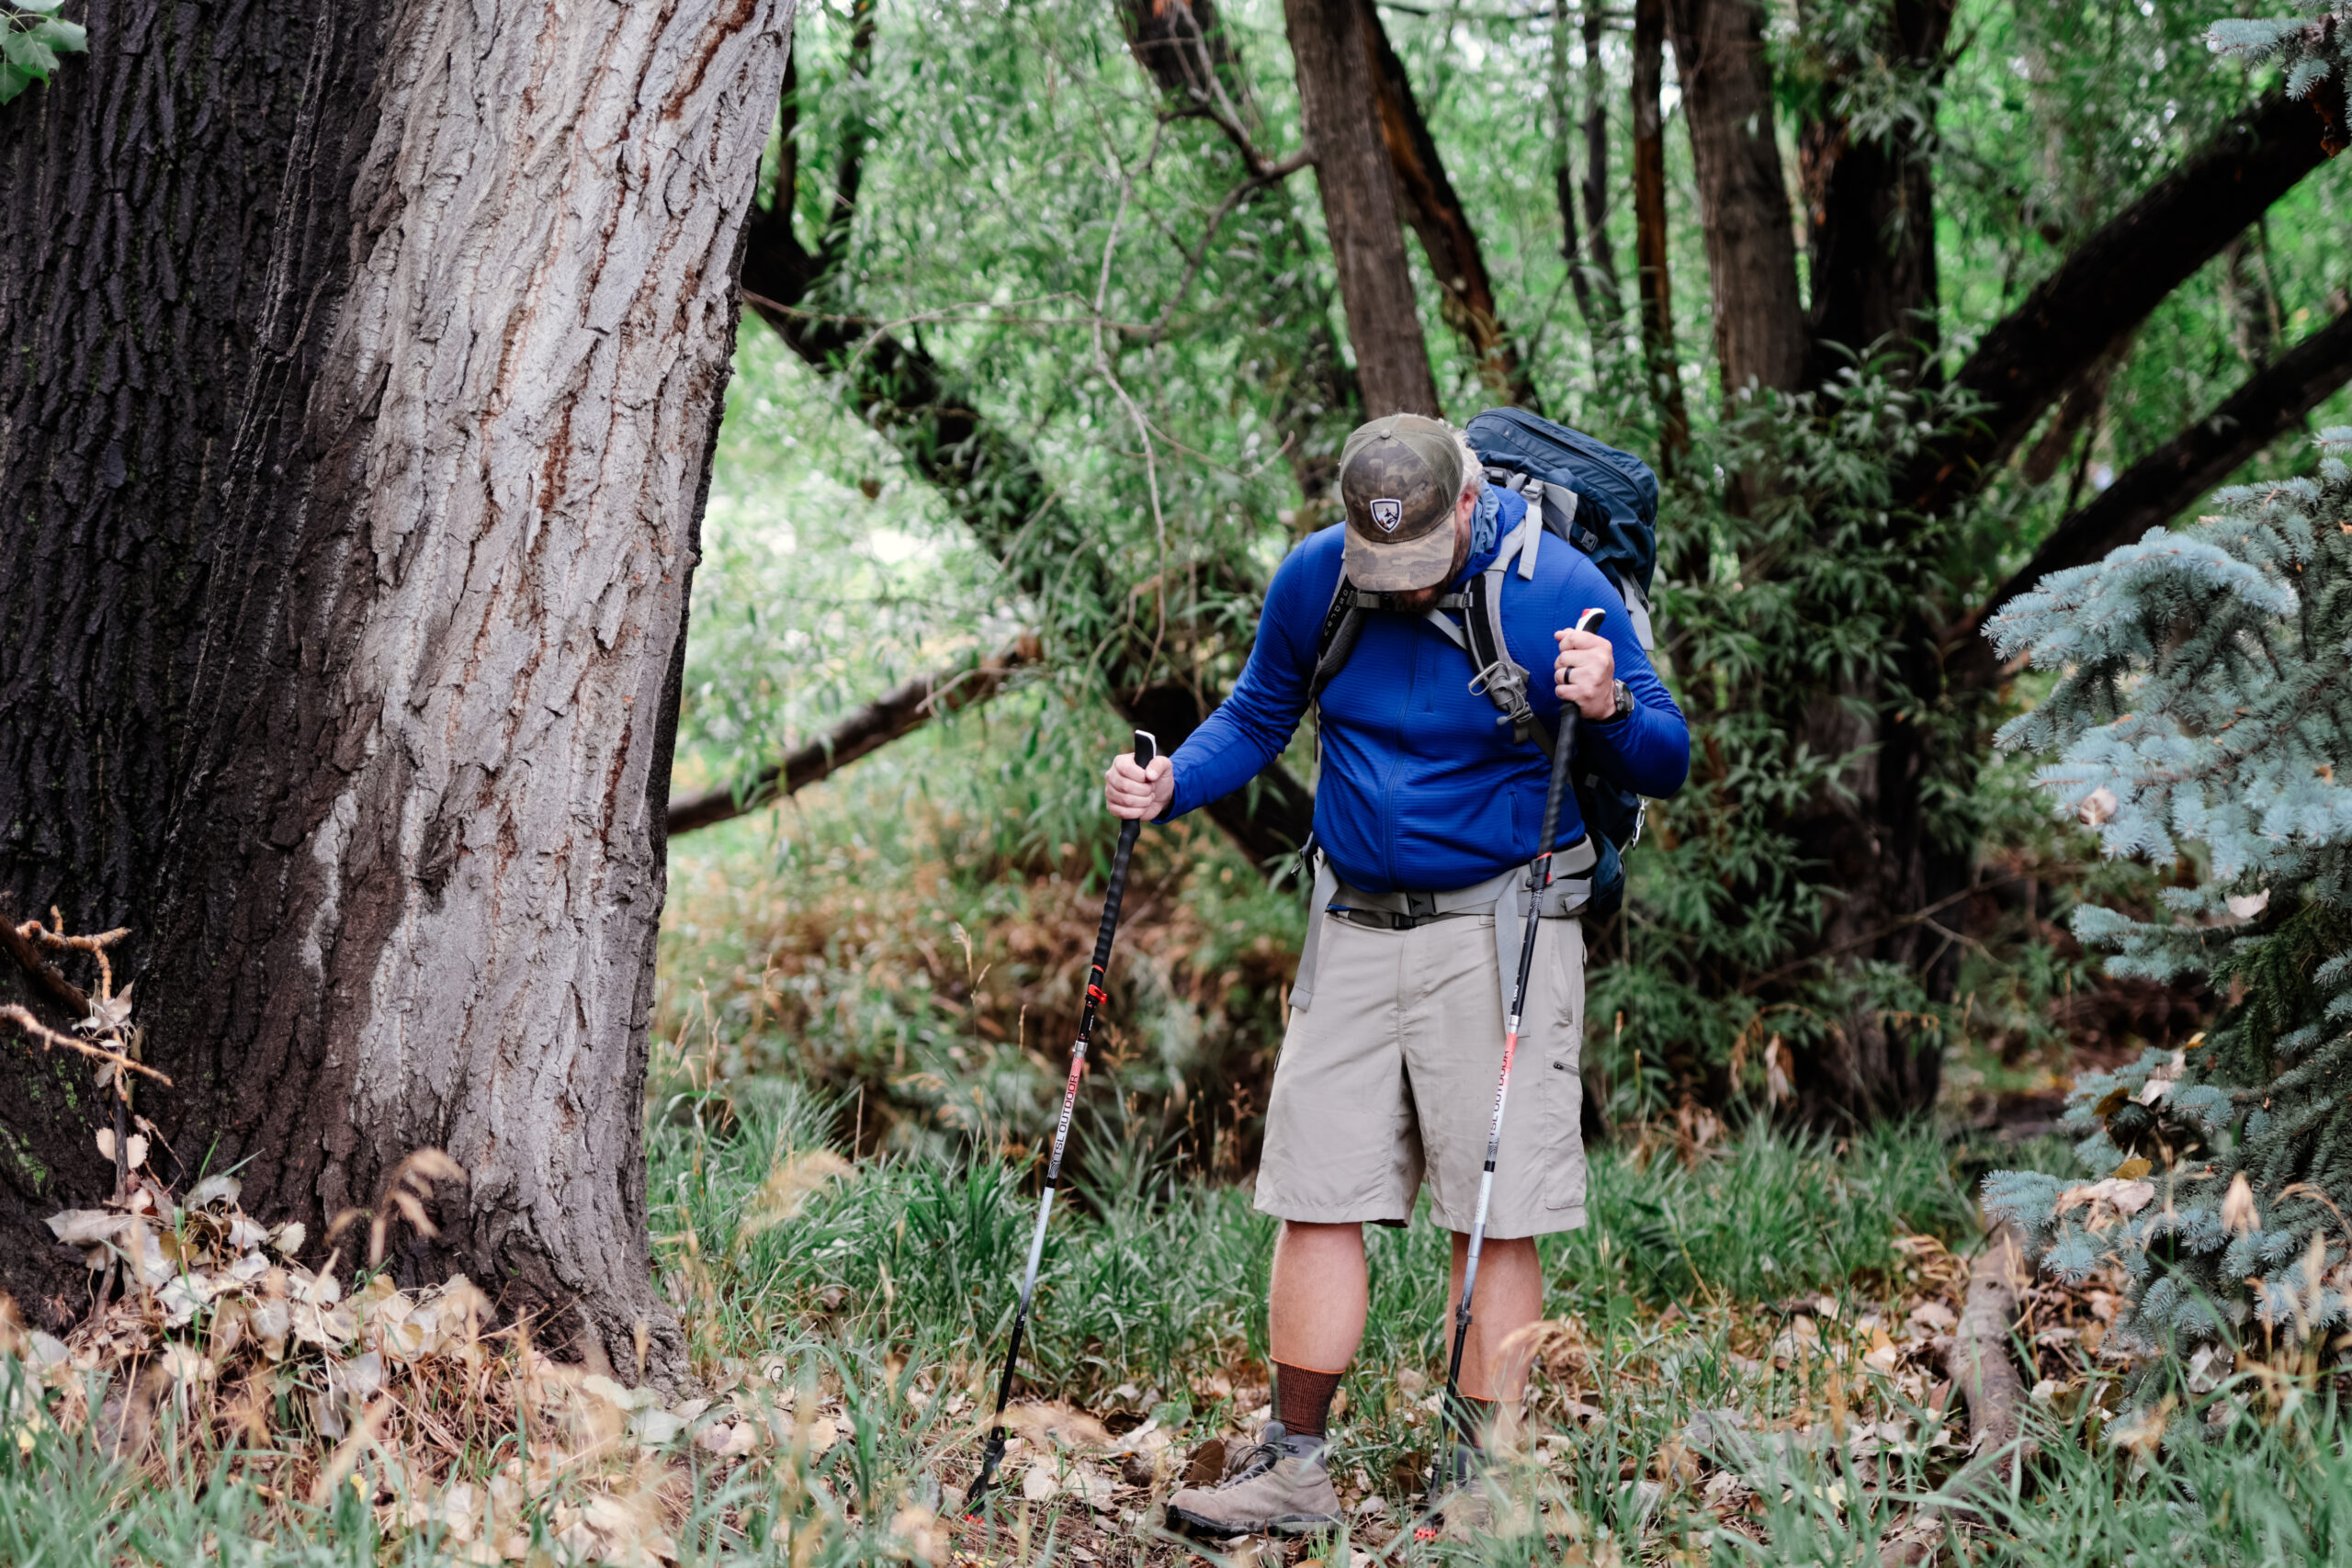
(1252, 726)
(1648, 750)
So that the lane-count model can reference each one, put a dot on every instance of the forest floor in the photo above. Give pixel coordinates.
(1742, 1367)
(1742, 1362)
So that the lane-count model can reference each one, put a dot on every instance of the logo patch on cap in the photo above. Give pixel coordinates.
(1388, 514)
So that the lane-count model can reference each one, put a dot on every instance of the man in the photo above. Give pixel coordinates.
(1426, 814)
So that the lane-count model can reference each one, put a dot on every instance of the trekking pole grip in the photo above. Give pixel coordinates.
(1562, 747)
(1147, 746)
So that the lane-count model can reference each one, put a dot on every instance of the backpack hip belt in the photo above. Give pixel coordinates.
(1503, 895)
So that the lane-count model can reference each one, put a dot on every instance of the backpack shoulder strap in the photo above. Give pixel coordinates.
(1342, 625)
(1502, 678)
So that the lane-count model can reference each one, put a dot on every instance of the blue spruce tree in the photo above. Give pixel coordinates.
(2205, 706)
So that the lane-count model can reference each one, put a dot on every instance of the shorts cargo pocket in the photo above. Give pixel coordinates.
(1563, 1169)
(1563, 1130)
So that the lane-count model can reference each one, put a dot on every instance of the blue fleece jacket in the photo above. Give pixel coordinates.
(1420, 788)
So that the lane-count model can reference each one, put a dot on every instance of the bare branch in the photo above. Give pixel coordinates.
(23, 1018)
(898, 711)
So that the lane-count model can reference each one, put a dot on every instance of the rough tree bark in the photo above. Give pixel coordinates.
(359, 408)
(1339, 106)
(1743, 206)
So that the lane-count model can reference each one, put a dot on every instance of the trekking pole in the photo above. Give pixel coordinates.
(1539, 878)
(1147, 748)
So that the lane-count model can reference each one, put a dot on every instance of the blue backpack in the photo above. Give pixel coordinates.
(1605, 502)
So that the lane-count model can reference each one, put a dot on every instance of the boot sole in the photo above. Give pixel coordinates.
(1221, 1529)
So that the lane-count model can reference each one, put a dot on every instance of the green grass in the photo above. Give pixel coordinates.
(890, 1288)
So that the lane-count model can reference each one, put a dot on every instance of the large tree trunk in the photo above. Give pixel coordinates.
(1465, 293)
(1743, 207)
(1596, 156)
(1871, 223)
(1661, 364)
(358, 415)
(1339, 102)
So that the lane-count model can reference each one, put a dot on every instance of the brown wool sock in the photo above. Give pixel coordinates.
(1302, 1399)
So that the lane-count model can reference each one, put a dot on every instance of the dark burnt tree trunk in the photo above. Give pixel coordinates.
(1653, 285)
(1338, 106)
(363, 367)
(1743, 206)
(1871, 223)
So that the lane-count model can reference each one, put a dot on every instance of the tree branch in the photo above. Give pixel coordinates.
(2154, 489)
(992, 482)
(1438, 220)
(2111, 282)
(900, 711)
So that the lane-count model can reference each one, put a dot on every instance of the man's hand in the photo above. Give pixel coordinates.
(1134, 792)
(1586, 674)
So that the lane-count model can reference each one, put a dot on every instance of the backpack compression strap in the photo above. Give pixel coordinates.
(1502, 678)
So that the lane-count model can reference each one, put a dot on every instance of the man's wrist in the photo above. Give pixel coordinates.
(1621, 705)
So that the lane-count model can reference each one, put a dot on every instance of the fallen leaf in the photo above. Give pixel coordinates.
(2097, 807)
(109, 1014)
(212, 1190)
(2237, 1207)
(656, 1428)
(1935, 1316)
(605, 1389)
(920, 1531)
(135, 1145)
(1061, 1425)
(80, 1227)
(2245, 906)
(729, 1440)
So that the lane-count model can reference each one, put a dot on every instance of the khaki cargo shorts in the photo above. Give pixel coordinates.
(1389, 1079)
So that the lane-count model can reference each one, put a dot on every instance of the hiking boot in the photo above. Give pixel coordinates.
(1277, 1485)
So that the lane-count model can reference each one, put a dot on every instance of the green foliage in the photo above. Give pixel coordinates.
(32, 36)
(2205, 706)
(1804, 594)
(2312, 48)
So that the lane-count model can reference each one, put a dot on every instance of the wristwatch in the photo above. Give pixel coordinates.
(1624, 704)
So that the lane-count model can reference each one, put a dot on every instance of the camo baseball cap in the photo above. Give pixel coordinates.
(1399, 480)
